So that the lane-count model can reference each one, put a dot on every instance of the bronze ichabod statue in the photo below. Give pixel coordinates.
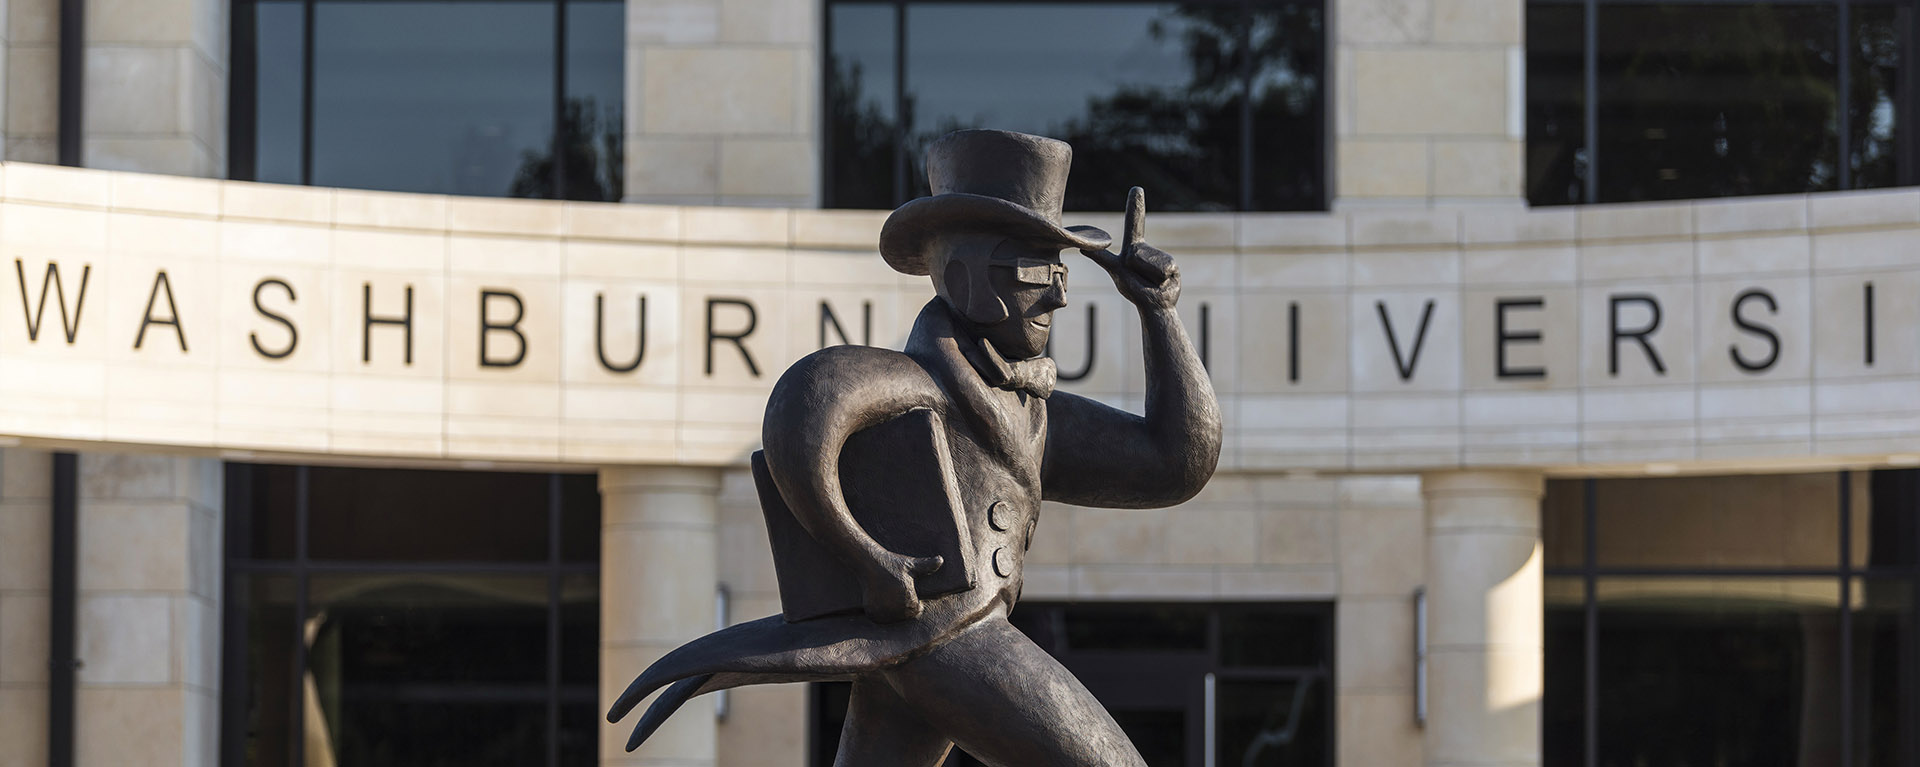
(901, 488)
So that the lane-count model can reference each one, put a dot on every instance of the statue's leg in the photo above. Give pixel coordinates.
(1010, 704)
(882, 731)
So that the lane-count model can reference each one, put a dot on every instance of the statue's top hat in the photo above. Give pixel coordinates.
(991, 181)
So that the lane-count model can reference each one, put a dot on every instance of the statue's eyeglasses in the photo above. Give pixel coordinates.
(1033, 271)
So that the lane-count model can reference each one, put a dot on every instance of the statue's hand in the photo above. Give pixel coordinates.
(1146, 275)
(889, 586)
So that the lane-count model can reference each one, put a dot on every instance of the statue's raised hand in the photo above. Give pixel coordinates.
(1146, 275)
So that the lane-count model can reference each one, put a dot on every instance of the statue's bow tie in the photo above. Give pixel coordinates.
(1036, 376)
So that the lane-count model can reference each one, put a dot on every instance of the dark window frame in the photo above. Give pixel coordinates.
(1907, 108)
(1590, 571)
(903, 163)
(242, 127)
(300, 567)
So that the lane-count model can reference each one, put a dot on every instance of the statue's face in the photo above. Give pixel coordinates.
(1026, 276)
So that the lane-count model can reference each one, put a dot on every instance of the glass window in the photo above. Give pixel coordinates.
(1725, 625)
(1885, 662)
(414, 618)
(1210, 106)
(1268, 668)
(1556, 104)
(472, 97)
(1704, 99)
(1773, 521)
(400, 514)
(1719, 671)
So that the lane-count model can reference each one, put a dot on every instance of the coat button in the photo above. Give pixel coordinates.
(1000, 516)
(1002, 563)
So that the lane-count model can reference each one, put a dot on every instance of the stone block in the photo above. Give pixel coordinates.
(1197, 537)
(537, 218)
(792, 22)
(126, 639)
(1120, 536)
(1376, 644)
(148, 22)
(134, 546)
(1276, 584)
(1880, 207)
(1317, 231)
(1374, 22)
(767, 167)
(1377, 730)
(32, 92)
(133, 90)
(277, 202)
(765, 725)
(1493, 225)
(721, 90)
(23, 731)
(1382, 552)
(1480, 168)
(1636, 220)
(24, 544)
(1431, 91)
(1495, 22)
(1382, 168)
(1143, 582)
(1298, 536)
(677, 22)
(33, 21)
(170, 155)
(390, 210)
(615, 221)
(1406, 228)
(660, 167)
(126, 725)
(23, 639)
(1751, 214)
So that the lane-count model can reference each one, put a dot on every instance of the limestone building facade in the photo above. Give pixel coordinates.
(378, 382)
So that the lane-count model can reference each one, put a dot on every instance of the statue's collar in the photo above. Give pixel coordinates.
(1034, 376)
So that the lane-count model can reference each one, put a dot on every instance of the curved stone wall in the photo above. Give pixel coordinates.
(311, 322)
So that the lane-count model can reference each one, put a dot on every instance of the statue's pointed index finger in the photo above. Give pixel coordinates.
(1134, 231)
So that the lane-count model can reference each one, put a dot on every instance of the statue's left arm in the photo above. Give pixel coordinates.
(1102, 456)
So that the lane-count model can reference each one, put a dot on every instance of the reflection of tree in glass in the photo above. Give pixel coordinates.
(863, 139)
(591, 147)
(1184, 143)
(1875, 59)
(1709, 101)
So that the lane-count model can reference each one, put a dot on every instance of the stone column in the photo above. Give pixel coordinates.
(29, 80)
(658, 576)
(1429, 102)
(720, 102)
(156, 87)
(149, 610)
(26, 514)
(1484, 610)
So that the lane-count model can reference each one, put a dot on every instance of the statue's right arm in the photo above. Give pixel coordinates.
(817, 404)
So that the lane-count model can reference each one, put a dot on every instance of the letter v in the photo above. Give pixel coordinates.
(1406, 363)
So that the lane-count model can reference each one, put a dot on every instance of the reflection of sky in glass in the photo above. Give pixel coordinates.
(596, 51)
(1031, 68)
(863, 37)
(277, 29)
(431, 96)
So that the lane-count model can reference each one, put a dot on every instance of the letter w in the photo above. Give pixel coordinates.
(69, 323)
